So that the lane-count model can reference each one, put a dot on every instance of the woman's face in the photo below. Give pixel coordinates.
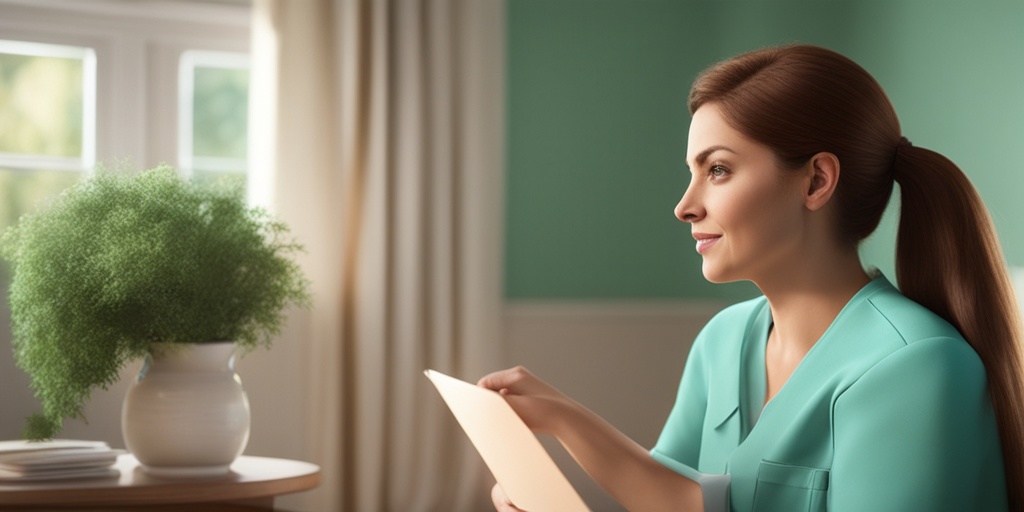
(746, 212)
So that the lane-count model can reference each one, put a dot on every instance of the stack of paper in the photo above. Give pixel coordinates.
(25, 461)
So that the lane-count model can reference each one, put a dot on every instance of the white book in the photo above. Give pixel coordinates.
(22, 446)
(56, 459)
(76, 458)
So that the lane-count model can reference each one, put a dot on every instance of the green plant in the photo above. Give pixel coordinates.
(119, 261)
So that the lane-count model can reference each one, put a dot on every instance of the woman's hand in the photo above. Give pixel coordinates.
(623, 468)
(501, 502)
(542, 407)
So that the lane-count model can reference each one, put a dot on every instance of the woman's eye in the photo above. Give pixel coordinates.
(717, 171)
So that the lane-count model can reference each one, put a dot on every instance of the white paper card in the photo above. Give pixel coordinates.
(522, 467)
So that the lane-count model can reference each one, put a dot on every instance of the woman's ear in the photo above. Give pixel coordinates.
(824, 176)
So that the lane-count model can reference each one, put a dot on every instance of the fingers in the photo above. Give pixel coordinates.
(501, 502)
(517, 380)
(533, 400)
(498, 497)
(503, 379)
(538, 404)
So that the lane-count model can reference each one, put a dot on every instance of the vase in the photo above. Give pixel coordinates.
(186, 415)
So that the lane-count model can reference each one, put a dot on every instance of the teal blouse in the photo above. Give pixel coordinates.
(887, 412)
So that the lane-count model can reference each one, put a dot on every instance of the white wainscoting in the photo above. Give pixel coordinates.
(623, 360)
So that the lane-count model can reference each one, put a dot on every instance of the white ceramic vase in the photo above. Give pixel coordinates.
(186, 415)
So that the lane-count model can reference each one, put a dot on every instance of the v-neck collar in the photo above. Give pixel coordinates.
(752, 382)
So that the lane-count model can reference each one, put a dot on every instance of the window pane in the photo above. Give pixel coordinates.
(220, 112)
(214, 115)
(41, 99)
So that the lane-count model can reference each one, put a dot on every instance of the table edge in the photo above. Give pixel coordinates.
(184, 490)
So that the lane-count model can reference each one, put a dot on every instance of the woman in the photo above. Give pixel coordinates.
(833, 391)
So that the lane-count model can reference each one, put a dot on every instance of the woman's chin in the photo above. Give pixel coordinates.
(717, 276)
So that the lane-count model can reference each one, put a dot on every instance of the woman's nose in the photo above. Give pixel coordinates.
(688, 209)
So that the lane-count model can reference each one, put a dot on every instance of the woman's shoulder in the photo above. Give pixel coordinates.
(909, 320)
(890, 329)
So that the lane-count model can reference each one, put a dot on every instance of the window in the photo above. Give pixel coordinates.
(47, 122)
(121, 84)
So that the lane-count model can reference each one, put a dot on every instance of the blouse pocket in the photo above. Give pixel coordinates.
(783, 487)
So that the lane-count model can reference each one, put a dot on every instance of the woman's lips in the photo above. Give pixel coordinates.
(705, 241)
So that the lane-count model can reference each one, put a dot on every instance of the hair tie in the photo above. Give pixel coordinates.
(903, 143)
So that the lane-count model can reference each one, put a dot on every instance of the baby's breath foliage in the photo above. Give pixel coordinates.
(119, 261)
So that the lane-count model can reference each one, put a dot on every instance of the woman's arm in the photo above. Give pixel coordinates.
(617, 463)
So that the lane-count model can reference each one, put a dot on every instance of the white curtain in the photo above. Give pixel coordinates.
(377, 136)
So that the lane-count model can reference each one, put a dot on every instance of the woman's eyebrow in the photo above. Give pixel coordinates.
(703, 155)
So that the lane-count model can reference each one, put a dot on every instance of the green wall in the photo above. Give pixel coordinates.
(597, 124)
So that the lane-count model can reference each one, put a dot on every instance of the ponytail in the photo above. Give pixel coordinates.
(948, 259)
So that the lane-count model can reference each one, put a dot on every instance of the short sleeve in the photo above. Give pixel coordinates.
(681, 437)
(917, 432)
(714, 488)
(678, 448)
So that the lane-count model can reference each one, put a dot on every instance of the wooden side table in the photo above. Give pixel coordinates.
(253, 482)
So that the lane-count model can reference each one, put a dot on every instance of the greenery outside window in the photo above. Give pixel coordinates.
(213, 115)
(49, 97)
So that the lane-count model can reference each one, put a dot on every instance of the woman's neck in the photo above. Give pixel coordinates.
(806, 301)
(804, 304)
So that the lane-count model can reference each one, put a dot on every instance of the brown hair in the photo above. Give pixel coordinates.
(801, 100)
